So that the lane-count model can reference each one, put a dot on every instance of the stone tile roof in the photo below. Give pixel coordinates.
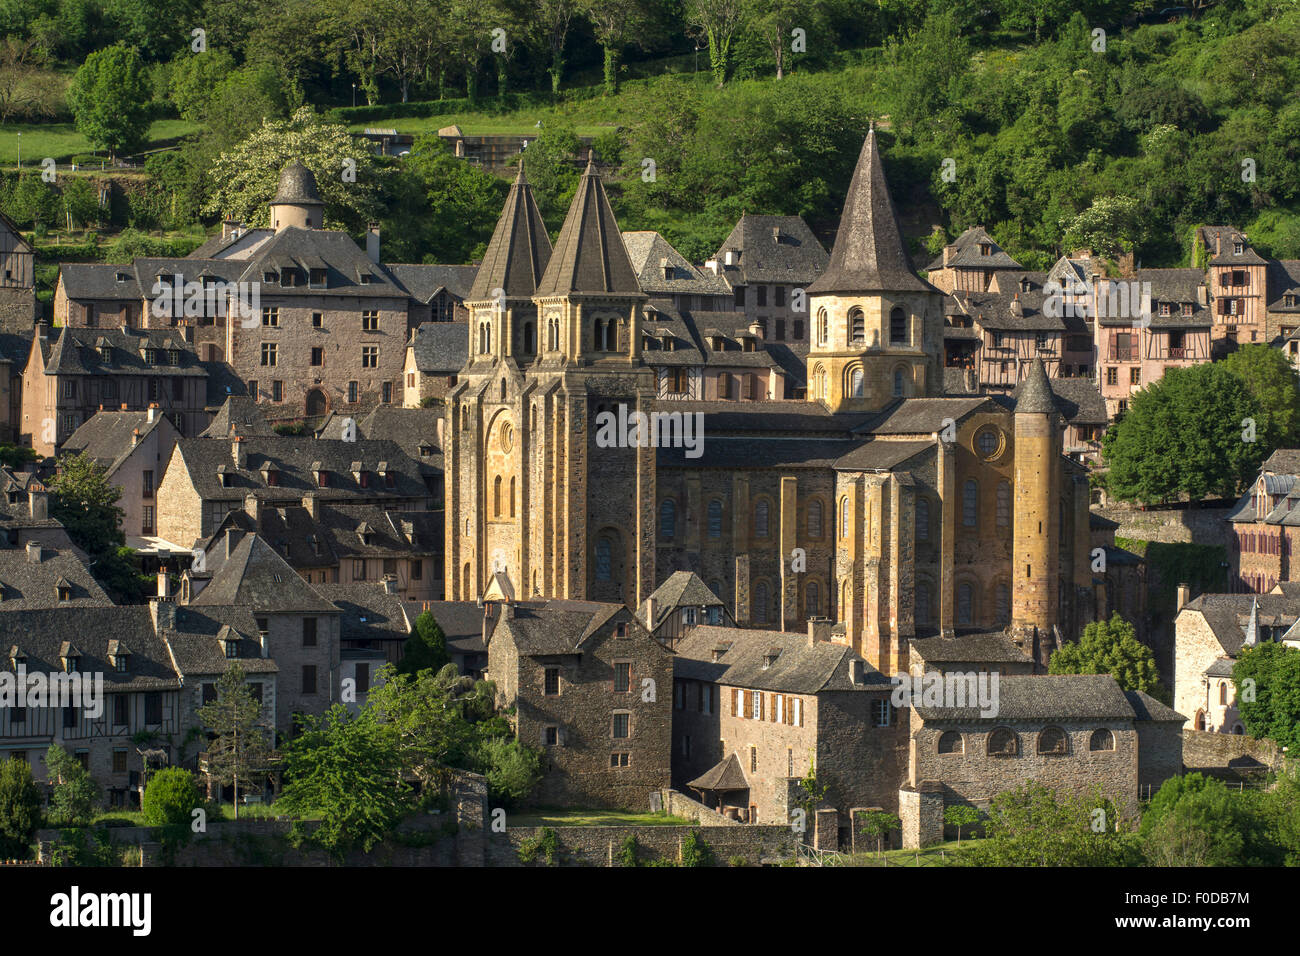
(1223, 239)
(80, 351)
(992, 647)
(196, 648)
(216, 244)
(923, 416)
(302, 249)
(423, 282)
(18, 513)
(681, 589)
(1147, 709)
(800, 666)
(223, 384)
(1228, 614)
(440, 348)
(109, 437)
(1282, 278)
(239, 415)
(369, 613)
(553, 627)
(256, 576)
(415, 430)
(589, 255)
(42, 636)
(1034, 395)
(296, 459)
(1075, 398)
(1050, 698)
(883, 455)
(297, 186)
(757, 451)
(795, 257)
(966, 254)
(94, 280)
(1284, 461)
(1173, 286)
(869, 254)
(662, 270)
(723, 776)
(670, 336)
(461, 623)
(30, 584)
(1015, 310)
(520, 248)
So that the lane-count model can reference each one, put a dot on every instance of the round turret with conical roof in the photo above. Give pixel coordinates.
(297, 201)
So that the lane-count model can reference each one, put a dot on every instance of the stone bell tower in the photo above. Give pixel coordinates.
(1035, 557)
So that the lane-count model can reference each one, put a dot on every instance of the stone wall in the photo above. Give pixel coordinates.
(1203, 525)
(597, 846)
(679, 805)
(1204, 751)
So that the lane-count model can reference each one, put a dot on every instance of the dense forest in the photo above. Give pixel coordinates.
(1115, 126)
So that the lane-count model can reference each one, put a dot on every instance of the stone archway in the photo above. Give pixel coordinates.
(317, 403)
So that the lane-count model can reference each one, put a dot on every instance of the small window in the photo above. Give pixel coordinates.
(309, 678)
(551, 685)
(622, 677)
(309, 632)
(317, 320)
(951, 742)
(1105, 740)
(370, 356)
(622, 726)
(370, 320)
(1052, 741)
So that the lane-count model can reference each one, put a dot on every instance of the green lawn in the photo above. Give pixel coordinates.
(62, 141)
(941, 854)
(593, 818)
(480, 124)
(134, 818)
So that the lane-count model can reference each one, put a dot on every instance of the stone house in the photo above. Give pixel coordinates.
(679, 604)
(1282, 305)
(437, 292)
(1071, 733)
(133, 448)
(754, 711)
(593, 689)
(77, 372)
(207, 478)
(970, 262)
(463, 624)
(372, 617)
(25, 514)
(434, 357)
(665, 274)
(1261, 533)
(765, 261)
(17, 279)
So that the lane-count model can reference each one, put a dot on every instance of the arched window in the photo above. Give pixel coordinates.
(821, 384)
(823, 327)
(530, 338)
(503, 390)
(1104, 740)
(760, 518)
(512, 497)
(857, 327)
(922, 519)
(1223, 692)
(844, 517)
(846, 596)
(465, 577)
(970, 494)
(604, 558)
(667, 518)
(924, 603)
(813, 519)
(1003, 603)
(496, 497)
(951, 742)
(760, 603)
(1003, 742)
(855, 383)
(1052, 740)
(1200, 720)
(715, 518)
(598, 340)
(965, 604)
(897, 327)
(812, 599)
(1004, 504)
(611, 335)
(898, 383)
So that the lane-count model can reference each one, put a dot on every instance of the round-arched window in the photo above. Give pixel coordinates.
(1004, 743)
(1052, 741)
(604, 559)
(1101, 740)
(950, 742)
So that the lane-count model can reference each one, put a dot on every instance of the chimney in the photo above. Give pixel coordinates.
(776, 234)
(1184, 595)
(650, 610)
(251, 508)
(230, 541)
(164, 585)
(34, 552)
(163, 612)
(948, 253)
(124, 406)
(309, 504)
(372, 242)
(229, 229)
(238, 452)
(389, 584)
(712, 266)
(38, 502)
(819, 629)
(855, 671)
(135, 437)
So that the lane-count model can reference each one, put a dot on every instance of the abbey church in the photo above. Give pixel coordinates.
(877, 503)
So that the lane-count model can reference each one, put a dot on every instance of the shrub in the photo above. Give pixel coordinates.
(627, 856)
(170, 798)
(544, 843)
(20, 808)
(695, 852)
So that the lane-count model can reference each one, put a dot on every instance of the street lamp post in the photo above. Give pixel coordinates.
(354, 94)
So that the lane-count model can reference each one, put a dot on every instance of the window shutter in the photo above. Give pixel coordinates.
(749, 705)
(762, 705)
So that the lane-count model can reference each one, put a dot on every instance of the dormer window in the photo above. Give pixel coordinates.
(16, 657)
(271, 475)
(317, 278)
(1166, 308)
(313, 542)
(719, 651)
(224, 475)
(425, 450)
(124, 277)
(1289, 299)
(769, 658)
(1025, 285)
(119, 655)
(361, 476)
(173, 357)
(717, 343)
(986, 249)
(1187, 308)
(270, 276)
(231, 647)
(365, 533)
(63, 590)
(71, 658)
(1238, 248)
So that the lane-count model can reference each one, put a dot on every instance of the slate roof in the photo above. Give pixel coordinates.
(1227, 615)
(423, 282)
(440, 348)
(223, 384)
(94, 280)
(41, 634)
(414, 430)
(681, 589)
(669, 336)
(653, 257)
(993, 647)
(800, 667)
(922, 416)
(256, 576)
(1173, 286)
(966, 254)
(302, 249)
(723, 776)
(553, 627)
(297, 186)
(1284, 461)
(19, 513)
(1282, 278)
(78, 351)
(796, 258)
(239, 415)
(216, 245)
(1076, 398)
(1052, 698)
(107, 437)
(589, 255)
(196, 649)
(369, 613)
(520, 248)
(461, 623)
(1014, 310)
(296, 458)
(29, 585)
(869, 254)
(1035, 393)
(1226, 237)
(1147, 709)
(882, 455)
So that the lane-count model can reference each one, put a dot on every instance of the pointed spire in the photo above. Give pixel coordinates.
(869, 254)
(519, 250)
(1252, 626)
(589, 253)
(1034, 396)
